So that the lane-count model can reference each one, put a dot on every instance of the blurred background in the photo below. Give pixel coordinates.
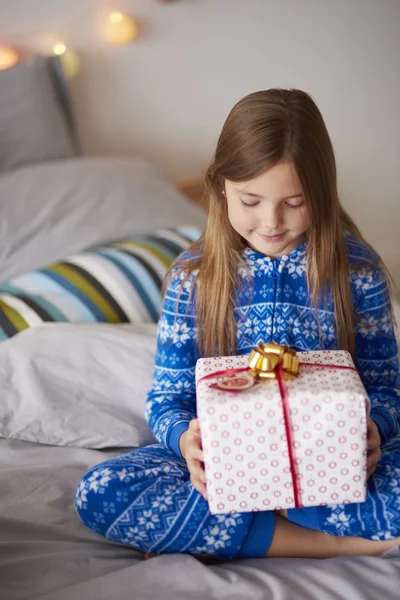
(160, 81)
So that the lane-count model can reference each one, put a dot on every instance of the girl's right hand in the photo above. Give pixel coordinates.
(191, 450)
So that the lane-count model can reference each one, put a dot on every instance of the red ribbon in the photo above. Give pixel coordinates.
(286, 414)
(288, 427)
(228, 372)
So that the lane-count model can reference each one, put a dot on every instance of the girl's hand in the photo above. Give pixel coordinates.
(374, 447)
(191, 450)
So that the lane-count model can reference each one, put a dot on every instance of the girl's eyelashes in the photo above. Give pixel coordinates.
(248, 205)
(253, 204)
(294, 205)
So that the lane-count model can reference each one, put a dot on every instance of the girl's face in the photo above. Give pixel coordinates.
(269, 211)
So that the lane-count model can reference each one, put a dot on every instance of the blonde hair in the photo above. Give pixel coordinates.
(263, 129)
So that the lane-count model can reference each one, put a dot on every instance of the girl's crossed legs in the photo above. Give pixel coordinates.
(144, 499)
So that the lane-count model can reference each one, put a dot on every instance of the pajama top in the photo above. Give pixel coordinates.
(272, 304)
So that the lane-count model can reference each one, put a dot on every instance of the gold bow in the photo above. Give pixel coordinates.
(265, 359)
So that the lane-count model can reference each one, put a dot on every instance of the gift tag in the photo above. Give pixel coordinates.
(236, 382)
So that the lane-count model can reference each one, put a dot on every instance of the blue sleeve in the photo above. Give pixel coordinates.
(171, 401)
(376, 350)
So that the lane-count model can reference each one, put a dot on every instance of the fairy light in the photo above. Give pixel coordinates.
(116, 17)
(69, 58)
(59, 48)
(120, 29)
(9, 57)
(117, 29)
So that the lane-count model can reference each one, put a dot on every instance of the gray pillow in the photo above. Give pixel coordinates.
(51, 210)
(33, 124)
(78, 385)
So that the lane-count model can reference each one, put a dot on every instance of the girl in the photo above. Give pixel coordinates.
(280, 260)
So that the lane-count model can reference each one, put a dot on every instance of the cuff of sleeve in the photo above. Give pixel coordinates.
(259, 536)
(383, 425)
(175, 435)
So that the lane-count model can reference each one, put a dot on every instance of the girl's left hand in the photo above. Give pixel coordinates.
(374, 447)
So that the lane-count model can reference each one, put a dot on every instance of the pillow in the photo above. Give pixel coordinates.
(60, 84)
(78, 385)
(51, 210)
(118, 283)
(33, 125)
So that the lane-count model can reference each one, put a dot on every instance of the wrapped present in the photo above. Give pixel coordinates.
(282, 430)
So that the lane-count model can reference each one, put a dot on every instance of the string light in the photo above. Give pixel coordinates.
(69, 58)
(8, 57)
(59, 48)
(120, 29)
(116, 17)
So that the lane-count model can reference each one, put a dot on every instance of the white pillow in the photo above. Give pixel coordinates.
(77, 385)
(51, 210)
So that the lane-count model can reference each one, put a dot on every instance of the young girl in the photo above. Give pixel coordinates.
(280, 260)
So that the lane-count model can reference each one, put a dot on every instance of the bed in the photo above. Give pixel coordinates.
(45, 551)
(84, 245)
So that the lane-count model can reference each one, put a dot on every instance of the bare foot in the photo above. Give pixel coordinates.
(376, 547)
(294, 541)
(392, 543)
(354, 546)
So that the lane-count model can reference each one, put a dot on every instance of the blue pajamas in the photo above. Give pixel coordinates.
(145, 498)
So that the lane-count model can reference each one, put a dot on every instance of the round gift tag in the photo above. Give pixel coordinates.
(236, 382)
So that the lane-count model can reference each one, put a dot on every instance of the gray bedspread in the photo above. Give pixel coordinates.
(47, 554)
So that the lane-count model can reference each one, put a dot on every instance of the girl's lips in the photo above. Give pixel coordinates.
(271, 238)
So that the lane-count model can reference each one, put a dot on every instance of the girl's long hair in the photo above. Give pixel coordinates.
(263, 129)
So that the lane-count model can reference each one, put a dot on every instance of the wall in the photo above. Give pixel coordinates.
(167, 95)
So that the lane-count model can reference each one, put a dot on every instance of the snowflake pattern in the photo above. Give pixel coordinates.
(162, 504)
(251, 326)
(145, 499)
(339, 519)
(164, 329)
(96, 481)
(99, 480)
(180, 333)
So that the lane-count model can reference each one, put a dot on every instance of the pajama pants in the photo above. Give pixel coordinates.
(145, 499)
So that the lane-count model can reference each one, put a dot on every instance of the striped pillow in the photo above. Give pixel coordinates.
(117, 283)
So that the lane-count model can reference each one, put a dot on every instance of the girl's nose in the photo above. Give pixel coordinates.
(271, 218)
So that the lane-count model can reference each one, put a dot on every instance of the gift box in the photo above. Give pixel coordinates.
(282, 441)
